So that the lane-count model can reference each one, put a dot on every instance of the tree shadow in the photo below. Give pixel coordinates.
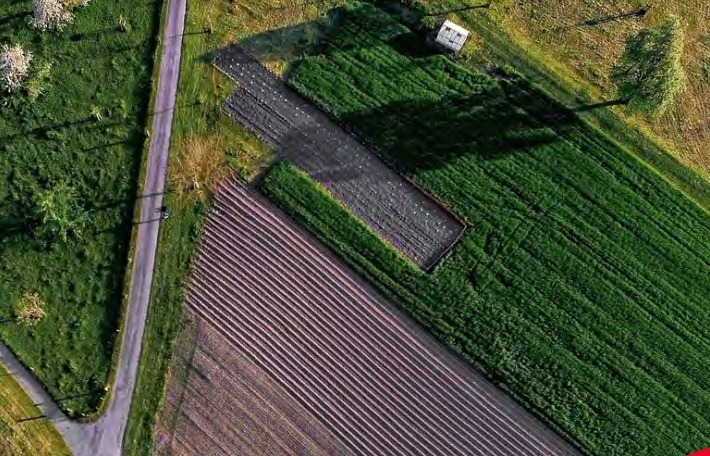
(290, 43)
(45, 129)
(81, 36)
(635, 14)
(8, 22)
(462, 9)
(422, 134)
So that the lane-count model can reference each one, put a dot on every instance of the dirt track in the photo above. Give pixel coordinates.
(401, 213)
(367, 373)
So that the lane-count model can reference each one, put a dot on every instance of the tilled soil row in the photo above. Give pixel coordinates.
(339, 350)
(228, 406)
(392, 206)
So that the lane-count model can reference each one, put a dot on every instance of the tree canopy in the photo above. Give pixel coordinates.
(60, 212)
(649, 74)
(14, 66)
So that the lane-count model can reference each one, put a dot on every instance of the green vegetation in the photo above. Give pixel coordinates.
(581, 285)
(201, 135)
(554, 36)
(649, 74)
(69, 187)
(34, 437)
(527, 35)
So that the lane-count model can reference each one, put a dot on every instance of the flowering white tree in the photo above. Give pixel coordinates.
(14, 66)
(51, 14)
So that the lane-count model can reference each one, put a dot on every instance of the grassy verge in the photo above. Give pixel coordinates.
(55, 142)
(579, 285)
(21, 433)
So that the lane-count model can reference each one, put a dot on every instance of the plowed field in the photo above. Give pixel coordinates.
(293, 354)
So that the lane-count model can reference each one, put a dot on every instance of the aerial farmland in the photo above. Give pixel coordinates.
(578, 285)
(346, 373)
(354, 227)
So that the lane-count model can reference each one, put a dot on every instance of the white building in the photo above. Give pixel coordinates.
(452, 36)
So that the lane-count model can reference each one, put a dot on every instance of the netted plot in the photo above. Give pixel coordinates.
(401, 213)
(286, 313)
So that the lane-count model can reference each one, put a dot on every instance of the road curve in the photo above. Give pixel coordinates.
(105, 436)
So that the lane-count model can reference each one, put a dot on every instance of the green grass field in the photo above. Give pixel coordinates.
(33, 437)
(581, 285)
(55, 140)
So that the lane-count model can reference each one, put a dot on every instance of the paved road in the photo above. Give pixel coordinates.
(105, 436)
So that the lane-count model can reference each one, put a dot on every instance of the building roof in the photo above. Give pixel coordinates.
(452, 35)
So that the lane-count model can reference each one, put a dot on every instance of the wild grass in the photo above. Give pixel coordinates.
(591, 50)
(48, 138)
(580, 286)
(23, 431)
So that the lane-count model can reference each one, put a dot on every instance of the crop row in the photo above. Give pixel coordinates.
(362, 369)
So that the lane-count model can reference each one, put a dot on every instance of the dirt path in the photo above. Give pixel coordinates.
(105, 436)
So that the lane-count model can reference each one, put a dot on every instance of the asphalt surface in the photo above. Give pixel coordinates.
(105, 436)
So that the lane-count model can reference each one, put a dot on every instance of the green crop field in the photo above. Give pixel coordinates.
(56, 143)
(582, 283)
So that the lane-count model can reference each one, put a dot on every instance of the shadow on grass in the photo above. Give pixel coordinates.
(43, 130)
(7, 23)
(426, 135)
(293, 42)
(496, 116)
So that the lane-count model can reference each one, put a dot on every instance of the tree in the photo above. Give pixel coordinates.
(649, 74)
(30, 309)
(60, 212)
(49, 14)
(37, 81)
(14, 66)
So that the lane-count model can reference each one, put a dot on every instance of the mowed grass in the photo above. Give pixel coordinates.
(581, 285)
(590, 52)
(55, 139)
(33, 437)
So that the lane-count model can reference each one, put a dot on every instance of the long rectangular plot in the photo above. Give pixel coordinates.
(337, 349)
(392, 206)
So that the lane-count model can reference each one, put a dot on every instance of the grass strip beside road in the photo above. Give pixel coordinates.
(198, 120)
(23, 431)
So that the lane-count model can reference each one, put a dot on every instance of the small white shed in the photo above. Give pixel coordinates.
(452, 36)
